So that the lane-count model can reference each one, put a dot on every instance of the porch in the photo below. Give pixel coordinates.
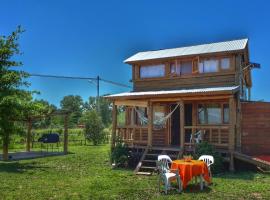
(212, 111)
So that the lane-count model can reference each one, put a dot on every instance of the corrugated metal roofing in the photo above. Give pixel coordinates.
(168, 92)
(226, 46)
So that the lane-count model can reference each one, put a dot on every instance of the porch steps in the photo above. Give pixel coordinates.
(147, 163)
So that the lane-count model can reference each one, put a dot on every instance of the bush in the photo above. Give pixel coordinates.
(119, 155)
(94, 127)
(205, 148)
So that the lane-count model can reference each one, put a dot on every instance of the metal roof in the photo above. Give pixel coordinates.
(233, 45)
(175, 92)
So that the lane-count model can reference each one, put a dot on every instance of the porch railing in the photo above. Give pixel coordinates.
(216, 135)
(133, 134)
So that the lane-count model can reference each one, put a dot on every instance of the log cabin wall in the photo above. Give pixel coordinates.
(169, 81)
(255, 127)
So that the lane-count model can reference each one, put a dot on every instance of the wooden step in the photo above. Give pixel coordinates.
(148, 167)
(152, 161)
(144, 173)
(152, 154)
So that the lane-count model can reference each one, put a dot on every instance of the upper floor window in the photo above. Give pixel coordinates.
(152, 71)
(214, 65)
(225, 63)
(181, 68)
(206, 66)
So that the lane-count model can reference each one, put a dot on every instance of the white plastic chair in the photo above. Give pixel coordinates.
(166, 175)
(209, 160)
(197, 137)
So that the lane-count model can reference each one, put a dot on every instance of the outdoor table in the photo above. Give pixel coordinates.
(190, 169)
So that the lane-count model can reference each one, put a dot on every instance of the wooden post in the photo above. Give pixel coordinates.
(249, 93)
(66, 134)
(232, 105)
(150, 124)
(29, 136)
(182, 125)
(114, 124)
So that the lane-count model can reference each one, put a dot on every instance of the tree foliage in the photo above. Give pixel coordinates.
(93, 127)
(105, 108)
(73, 103)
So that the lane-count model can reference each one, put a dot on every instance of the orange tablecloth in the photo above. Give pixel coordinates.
(188, 170)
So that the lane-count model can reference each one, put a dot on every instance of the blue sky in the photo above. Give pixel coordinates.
(90, 38)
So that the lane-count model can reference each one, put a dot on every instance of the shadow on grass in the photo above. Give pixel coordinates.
(16, 167)
(243, 175)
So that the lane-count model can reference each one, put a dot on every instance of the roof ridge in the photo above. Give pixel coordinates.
(194, 45)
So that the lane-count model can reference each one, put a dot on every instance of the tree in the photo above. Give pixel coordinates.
(46, 108)
(93, 127)
(105, 108)
(13, 99)
(75, 105)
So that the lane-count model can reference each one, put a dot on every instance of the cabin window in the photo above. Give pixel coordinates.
(206, 66)
(225, 63)
(152, 71)
(159, 112)
(226, 113)
(181, 68)
(209, 113)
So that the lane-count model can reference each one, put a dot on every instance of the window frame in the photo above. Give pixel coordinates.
(221, 104)
(152, 65)
(177, 63)
(218, 58)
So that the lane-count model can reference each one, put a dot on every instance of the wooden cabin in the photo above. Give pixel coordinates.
(201, 89)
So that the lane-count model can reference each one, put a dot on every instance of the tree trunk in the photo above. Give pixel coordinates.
(29, 136)
(5, 148)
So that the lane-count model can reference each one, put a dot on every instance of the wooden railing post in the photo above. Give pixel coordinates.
(232, 105)
(150, 124)
(182, 125)
(66, 133)
(114, 124)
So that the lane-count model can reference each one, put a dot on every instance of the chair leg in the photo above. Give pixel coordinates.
(201, 182)
(179, 184)
(166, 186)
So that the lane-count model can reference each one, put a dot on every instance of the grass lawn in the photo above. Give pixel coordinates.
(86, 174)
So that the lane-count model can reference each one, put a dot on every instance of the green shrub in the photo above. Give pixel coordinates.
(119, 155)
(205, 148)
(94, 127)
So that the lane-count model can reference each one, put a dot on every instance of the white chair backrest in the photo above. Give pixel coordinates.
(165, 159)
(209, 160)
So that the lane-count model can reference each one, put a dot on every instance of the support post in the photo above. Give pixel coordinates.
(232, 104)
(29, 136)
(150, 124)
(114, 124)
(249, 93)
(182, 125)
(66, 134)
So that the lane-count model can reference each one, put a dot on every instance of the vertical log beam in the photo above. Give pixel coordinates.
(66, 133)
(29, 136)
(182, 125)
(249, 93)
(233, 110)
(114, 125)
(150, 124)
